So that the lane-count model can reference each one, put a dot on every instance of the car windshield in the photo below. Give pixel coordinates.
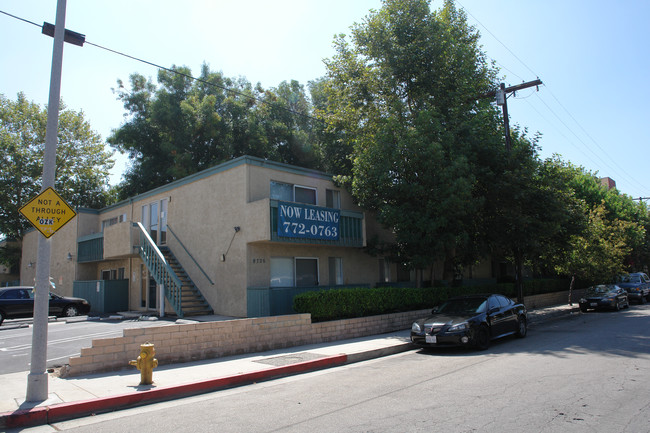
(634, 279)
(599, 290)
(463, 306)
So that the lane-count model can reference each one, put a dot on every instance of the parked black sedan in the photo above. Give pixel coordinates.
(18, 302)
(604, 296)
(471, 321)
(637, 286)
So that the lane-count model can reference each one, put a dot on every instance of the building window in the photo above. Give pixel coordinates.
(154, 220)
(335, 271)
(294, 272)
(384, 271)
(303, 194)
(112, 221)
(306, 272)
(281, 272)
(295, 193)
(333, 199)
(109, 274)
(281, 191)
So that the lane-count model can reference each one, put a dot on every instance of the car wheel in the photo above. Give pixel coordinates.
(617, 307)
(583, 309)
(642, 300)
(70, 311)
(482, 338)
(522, 327)
(2, 317)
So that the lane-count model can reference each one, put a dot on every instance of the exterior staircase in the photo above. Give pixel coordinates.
(192, 301)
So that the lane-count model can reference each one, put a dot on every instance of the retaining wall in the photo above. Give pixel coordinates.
(176, 343)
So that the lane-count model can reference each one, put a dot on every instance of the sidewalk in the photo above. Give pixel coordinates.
(81, 396)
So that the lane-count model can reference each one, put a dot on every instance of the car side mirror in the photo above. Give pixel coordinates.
(435, 310)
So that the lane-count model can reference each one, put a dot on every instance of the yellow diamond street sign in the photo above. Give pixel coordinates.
(48, 212)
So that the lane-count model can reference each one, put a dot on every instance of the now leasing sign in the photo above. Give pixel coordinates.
(296, 220)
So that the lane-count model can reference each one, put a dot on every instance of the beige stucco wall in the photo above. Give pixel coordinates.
(62, 270)
(203, 211)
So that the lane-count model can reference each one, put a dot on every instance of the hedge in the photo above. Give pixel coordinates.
(345, 303)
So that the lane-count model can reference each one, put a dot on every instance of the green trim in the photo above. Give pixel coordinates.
(228, 165)
(90, 237)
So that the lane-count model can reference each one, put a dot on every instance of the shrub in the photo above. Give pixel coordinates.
(345, 303)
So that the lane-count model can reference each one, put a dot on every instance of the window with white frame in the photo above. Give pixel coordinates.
(335, 265)
(296, 193)
(294, 272)
(333, 199)
(154, 220)
(281, 272)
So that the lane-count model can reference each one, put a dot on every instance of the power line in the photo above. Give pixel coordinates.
(174, 71)
(622, 172)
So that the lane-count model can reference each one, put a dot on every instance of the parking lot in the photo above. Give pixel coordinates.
(66, 337)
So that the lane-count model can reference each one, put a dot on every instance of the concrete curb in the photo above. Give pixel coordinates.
(66, 411)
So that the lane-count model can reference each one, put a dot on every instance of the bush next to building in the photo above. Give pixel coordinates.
(345, 303)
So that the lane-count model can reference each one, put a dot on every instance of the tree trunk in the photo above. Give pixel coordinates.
(573, 278)
(518, 277)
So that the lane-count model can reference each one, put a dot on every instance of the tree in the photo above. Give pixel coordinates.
(82, 164)
(400, 101)
(181, 125)
(530, 210)
(613, 237)
(599, 252)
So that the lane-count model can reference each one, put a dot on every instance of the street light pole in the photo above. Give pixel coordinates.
(37, 381)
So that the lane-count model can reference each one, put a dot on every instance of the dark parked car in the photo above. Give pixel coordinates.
(18, 302)
(637, 286)
(471, 321)
(604, 296)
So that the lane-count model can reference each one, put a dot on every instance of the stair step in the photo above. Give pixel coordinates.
(192, 302)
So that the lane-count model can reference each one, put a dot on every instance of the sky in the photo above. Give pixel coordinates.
(593, 58)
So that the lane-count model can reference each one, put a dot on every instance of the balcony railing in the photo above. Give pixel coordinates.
(350, 229)
(90, 248)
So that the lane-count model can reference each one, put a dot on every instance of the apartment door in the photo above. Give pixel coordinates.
(154, 220)
(148, 298)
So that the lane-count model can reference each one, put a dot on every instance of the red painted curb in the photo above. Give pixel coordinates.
(24, 418)
(65, 411)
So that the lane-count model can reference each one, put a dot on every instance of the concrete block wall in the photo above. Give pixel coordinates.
(555, 298)
(177, 343)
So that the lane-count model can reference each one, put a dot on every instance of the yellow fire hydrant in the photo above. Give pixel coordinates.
(146, 363)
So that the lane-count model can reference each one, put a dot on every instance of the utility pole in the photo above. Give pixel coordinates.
(37, 380)
(501, 95)
(502, 99)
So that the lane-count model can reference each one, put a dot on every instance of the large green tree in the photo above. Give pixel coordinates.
(401, 100)
(613, 236)
(82, 164)
(529, 209)
(181, 125)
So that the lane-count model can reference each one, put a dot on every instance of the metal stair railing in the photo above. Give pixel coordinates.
(182, 275)
(160, 270)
